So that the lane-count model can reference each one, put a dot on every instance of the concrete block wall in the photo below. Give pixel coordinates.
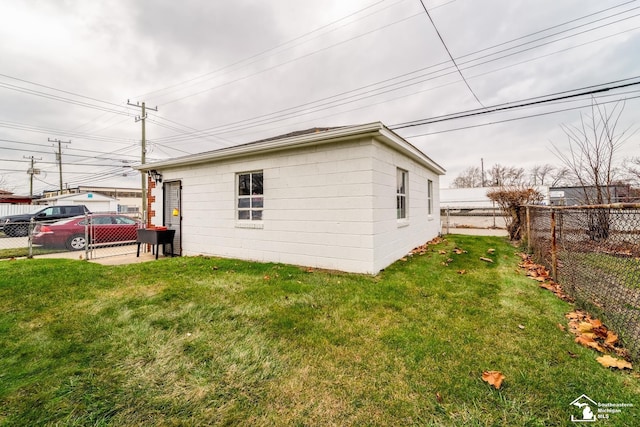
(327, 206)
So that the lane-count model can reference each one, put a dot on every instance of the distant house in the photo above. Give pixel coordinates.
(353, 198)
(93, 201)
(9, 197)
(129, 199)
(476, 198)
(575, 196)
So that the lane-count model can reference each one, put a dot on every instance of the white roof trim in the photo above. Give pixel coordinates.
(376, 130)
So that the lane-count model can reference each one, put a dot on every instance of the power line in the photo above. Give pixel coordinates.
(78, 135)
(519, 104)
(60, 98)
(294, 59)
(60, 90)
(271, 117)
(70, 149)
(449, 53)
(290, 41)
(516, 118)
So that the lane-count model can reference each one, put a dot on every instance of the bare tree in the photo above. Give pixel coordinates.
(560, 176)
(593, 145)
(468, 178)
(500, 176)
(540, 173)
(592, 148)
(550, 175)
(632, 169)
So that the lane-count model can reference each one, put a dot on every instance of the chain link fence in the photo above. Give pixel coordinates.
(91, 236)
(594, 253)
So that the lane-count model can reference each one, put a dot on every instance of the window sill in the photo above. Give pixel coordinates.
(250, 224)
(403, 223)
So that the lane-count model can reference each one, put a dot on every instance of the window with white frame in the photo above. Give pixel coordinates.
(401, 195)
(250, 196)
(430, 197)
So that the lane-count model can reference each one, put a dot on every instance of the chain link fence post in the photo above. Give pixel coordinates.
(87, 224)
(30, 237)
(554, 246)
(594, 253)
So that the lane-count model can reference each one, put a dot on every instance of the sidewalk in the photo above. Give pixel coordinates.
(477, 231)
(101, 256)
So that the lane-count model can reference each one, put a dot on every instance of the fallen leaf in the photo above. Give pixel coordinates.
(438, 397)
(611, 339)
(494, 378)
(490, 251)
(403, 259)
(561, 327)
(462, 271)
(611, 362)
(589, 342)
(266, 278)
(585, 327)
(572, 354)
(441, 252)
(521, 326)
(486, 259)
(459, 251)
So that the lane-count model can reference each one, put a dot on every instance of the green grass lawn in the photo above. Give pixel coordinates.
(207, 341)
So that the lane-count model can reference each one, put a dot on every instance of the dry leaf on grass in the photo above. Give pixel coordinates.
(438, 397)
(611, 338)
(611, 362)
(490, 251)
(588, 341)
(494, 378)
(441, 252)
(486, 259)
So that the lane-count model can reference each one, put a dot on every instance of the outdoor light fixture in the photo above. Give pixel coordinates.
(155, 175)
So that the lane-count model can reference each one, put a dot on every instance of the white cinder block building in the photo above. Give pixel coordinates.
(353, 198)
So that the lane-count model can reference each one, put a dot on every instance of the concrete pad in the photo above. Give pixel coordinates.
(109, 255)
(478, 231)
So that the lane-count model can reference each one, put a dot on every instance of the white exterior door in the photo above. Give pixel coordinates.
(173, 212)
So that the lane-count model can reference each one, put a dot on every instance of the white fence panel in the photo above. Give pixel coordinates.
(10, 209)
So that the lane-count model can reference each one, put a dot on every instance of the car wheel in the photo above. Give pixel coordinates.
(77, 242)
(16, 230)
(21, 230)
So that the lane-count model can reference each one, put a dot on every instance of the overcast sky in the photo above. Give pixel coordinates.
(228, 72)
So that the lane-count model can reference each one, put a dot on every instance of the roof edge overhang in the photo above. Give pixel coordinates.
(376, 130)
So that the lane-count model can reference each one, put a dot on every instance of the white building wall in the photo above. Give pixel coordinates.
(320, 207)
(394, 238)
(317, 212)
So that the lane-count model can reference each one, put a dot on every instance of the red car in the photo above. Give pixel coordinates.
(102, 228)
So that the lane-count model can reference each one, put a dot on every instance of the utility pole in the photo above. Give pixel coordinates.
(59, 157)
(142, 118)
(32, 172)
